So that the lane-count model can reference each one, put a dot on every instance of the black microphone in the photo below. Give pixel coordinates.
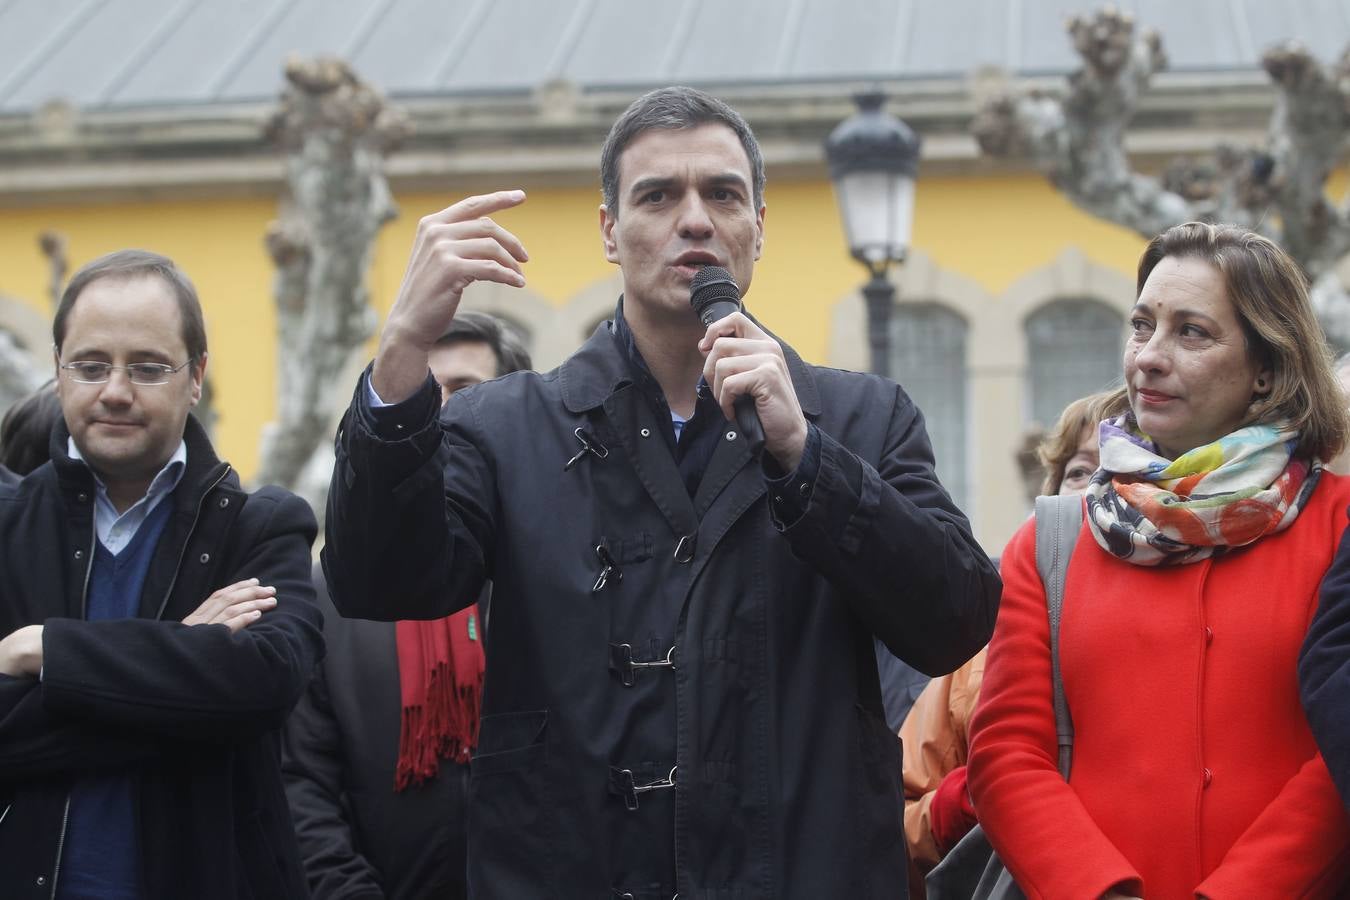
(715, 295)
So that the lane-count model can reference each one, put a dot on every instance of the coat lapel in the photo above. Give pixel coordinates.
(728, 459)
(596, 376)
(628, 417)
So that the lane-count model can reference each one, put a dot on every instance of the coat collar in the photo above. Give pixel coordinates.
(599, 369)
(203, 466)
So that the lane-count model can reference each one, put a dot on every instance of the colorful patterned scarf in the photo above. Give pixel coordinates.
(1152, 511)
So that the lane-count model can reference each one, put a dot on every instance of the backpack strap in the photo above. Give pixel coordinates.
(1058, 520)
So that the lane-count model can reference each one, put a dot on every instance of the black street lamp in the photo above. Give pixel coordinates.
(873, 158)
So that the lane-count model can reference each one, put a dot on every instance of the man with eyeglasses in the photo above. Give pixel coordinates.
(158, 622)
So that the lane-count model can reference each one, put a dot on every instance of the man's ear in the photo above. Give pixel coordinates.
(56, 368)
(198, 370)
(759, 232)
(607, 222)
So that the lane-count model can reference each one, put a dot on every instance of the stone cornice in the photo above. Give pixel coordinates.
(552, 136)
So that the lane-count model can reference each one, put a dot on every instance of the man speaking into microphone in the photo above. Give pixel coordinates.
(681, 694)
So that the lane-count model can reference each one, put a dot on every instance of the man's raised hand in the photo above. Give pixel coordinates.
(455, 247)
(236, 606)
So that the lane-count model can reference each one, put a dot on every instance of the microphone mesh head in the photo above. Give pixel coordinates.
(713, 283)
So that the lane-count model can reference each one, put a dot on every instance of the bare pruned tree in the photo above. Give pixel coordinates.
(336, 132)
(21, 370)
(20, 373)
(1077, 139)
(53, 247)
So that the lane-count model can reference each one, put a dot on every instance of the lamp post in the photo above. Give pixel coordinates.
(873, 158)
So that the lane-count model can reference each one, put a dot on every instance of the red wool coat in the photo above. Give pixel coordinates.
(1194, 771)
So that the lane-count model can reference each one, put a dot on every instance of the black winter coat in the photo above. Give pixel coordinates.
(768, 717)
(359, 839)
(1324, 670)
(192, 712)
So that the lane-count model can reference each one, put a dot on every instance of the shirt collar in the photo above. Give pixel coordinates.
(165, 480)
(643, 377)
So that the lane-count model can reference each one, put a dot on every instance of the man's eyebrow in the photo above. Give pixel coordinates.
(650, 183)
(732, 178)
(93, 354)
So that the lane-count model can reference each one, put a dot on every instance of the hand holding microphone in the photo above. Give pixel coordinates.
(746, 370)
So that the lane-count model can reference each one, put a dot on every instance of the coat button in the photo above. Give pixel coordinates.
(731, 435)
(79, 554)
(83, 497)
(1208, 777)
(646, 432)
(204, 558)
(224, 502)
(41, 880)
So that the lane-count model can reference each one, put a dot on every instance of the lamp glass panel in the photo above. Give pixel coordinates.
(877, 208)
(902, 215)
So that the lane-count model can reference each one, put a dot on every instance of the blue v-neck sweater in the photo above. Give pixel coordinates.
(101, 857)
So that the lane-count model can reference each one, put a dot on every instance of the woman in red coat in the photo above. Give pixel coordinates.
(1208, 529)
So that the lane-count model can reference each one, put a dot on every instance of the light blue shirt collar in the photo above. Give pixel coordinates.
(116, 531)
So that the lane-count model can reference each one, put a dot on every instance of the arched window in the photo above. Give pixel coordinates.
(1074, 348)
(928, 358)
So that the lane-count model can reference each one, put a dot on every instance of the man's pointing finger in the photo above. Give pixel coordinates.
(479, 205)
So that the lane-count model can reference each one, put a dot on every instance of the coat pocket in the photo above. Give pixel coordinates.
(510, 741)
(510, 810)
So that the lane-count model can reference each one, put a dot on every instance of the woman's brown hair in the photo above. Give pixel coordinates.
(1270, 294)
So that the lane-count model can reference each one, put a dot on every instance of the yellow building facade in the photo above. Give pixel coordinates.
(992, 248)
(115, 134)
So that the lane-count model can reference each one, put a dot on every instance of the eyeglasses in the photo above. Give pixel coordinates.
(137, 373)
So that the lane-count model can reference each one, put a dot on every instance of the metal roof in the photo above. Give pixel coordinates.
(126, 53)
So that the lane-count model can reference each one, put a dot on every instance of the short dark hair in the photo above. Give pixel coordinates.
(26, 430)
(128, 264)
(673, 108)
(505, 343)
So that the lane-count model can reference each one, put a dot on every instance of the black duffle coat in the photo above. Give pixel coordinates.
(641, 638)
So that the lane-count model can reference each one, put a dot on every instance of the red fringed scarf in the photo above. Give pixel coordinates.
(440, 673)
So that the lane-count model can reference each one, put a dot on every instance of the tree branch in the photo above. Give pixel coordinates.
(1079, 142)
(336, 132)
